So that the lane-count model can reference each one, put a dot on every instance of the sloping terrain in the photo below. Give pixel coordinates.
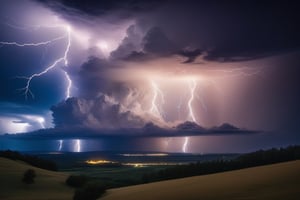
(277, 181)
(48, 184)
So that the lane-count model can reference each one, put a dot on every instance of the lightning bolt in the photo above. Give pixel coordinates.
(60, 144)
(77, 145)
(154, 107)
(63, 59)
(33, 44)
(69, 86)
(192, 86)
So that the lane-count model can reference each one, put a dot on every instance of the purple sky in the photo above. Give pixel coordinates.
(140, 67)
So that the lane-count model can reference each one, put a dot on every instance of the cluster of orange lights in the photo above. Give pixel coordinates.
(99, 162)
(144, 154)
(104, 162)
(147, 164)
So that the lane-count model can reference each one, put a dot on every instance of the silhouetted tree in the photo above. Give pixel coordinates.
(29, 176)
(91, 191)
(76, 180)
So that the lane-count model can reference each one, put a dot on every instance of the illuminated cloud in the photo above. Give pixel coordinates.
(17, 118)
(21, 123)
(101, 112)
(131, 43)
(12, 125)
(164, 68)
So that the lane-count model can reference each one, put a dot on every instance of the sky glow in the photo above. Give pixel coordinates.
(112, 68)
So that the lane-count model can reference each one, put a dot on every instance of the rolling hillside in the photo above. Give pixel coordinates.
(277, 181)
(48, 184)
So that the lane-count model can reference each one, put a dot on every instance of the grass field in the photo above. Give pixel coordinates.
(277, 181)
(48, 185)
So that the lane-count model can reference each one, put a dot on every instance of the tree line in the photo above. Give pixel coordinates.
(30, 159)
(258, 158)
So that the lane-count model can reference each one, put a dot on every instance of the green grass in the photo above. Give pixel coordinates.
(48, 184)
(275, 182)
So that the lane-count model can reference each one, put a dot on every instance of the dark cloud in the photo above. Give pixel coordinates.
(139, 46)
(190, 54)
(149, 130)
(189, 126)
(117, 9)
(91, 78)
(156, 42)
(130, 45)
(153, 130)
(226, 128)
(227, 31)
(138, 56)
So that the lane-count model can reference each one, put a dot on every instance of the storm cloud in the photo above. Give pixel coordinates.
(101, 112)
(226, 31)
(154, 68)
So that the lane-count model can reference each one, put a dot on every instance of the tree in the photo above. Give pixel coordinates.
(76, 180)
(90, 191)
(29, 176)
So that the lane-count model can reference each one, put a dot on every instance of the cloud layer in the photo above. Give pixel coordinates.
(130, 58)
(101, 112)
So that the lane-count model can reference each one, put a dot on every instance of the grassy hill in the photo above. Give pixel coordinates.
(48, 184)
(277, 181)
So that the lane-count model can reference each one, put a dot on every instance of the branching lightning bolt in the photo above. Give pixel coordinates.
(33, 44)
(63, 59)
(192, 87)
(157, 92)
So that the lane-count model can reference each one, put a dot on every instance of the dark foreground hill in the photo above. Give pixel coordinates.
(48, 184)
(276, 182)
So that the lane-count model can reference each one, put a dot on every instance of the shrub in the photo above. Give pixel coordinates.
(91, 191)
(29, 176)
(76, 180)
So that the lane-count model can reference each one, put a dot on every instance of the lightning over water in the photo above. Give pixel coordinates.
(77, 146)
(192, 87)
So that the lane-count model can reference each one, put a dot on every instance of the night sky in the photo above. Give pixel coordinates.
(178, 76)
